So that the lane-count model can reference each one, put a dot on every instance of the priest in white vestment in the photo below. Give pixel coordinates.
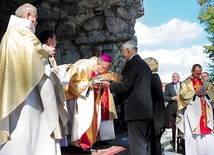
(57, 75)
(29, 115)
(195, 113)
(84, 100)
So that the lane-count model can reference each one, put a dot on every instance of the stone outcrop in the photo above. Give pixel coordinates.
(79, 24)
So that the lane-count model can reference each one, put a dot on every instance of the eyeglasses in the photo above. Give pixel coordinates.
(105, 68)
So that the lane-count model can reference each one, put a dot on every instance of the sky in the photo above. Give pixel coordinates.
(171, 33)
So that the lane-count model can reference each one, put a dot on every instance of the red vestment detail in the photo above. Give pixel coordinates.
(204, 129)
(105, 104)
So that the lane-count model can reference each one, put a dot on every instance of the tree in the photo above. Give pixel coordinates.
(206, 16)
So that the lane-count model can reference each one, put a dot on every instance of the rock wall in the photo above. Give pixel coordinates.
(80, 24)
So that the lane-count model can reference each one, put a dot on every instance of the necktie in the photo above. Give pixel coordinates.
(176, 88)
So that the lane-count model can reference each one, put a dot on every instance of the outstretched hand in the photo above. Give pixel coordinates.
(105, 83)
(68, 66)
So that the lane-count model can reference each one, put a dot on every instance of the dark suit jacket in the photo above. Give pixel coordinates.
(136, 85)
(168, 94)
(158, 104)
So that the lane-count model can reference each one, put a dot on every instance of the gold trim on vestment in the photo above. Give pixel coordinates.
(22, 65)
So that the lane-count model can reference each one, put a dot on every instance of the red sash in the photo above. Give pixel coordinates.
(105, 104)
(204, 129)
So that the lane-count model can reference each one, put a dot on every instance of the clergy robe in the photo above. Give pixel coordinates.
(28, 110)
(84, 104)
(195, 117)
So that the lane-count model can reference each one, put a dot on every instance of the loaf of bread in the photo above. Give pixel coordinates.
(112, 76)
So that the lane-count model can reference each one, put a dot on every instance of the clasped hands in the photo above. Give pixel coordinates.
(174, 98)
(200, 93)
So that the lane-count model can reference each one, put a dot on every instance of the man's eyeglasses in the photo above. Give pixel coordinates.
(105, 68)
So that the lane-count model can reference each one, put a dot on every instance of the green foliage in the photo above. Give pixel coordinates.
(206, 16)
(211, 72)
(201, 2)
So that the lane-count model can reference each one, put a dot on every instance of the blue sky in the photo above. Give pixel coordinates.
(170, 32)
(158, 12)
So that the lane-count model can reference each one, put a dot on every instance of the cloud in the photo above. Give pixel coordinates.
(168, 44)
(174, 32)
(180, 60)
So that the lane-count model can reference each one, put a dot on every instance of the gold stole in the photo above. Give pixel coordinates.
(90, 136)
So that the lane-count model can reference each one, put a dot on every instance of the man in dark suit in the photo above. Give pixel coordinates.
(136, 85)
(170, 96)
